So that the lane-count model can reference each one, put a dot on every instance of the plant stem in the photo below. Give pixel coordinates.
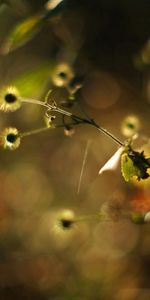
(35, 131)
(33, 101)
(103, 130)
(47, 105)
(93, 217)
(78, 120)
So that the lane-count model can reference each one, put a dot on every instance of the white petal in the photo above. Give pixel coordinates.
(112, 163)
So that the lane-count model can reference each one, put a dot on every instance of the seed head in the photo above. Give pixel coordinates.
(130, 126)
(9, 138)
(65, 221)
(62, 75)
(9, 99)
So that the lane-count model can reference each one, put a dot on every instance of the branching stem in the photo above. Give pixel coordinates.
(76, 119)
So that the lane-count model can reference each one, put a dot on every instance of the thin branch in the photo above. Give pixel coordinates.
(106, 132)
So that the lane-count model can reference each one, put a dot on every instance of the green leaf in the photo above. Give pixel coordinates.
(21, 33)
(127, 167)
(134, 164)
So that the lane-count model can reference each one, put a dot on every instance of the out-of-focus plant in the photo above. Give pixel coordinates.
(28, 28)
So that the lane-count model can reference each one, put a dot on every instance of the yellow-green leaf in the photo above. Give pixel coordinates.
(128, 168)
(134, 164)
(21, 33)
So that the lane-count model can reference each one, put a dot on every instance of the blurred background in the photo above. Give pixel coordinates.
(105, 46)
